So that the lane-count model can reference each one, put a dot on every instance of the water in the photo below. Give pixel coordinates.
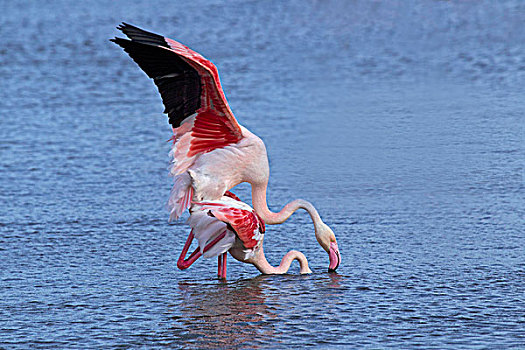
(401, 121)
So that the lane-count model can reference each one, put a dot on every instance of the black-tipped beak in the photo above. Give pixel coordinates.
(335, 257)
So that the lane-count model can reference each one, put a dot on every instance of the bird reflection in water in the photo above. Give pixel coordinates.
(225, 315)
(335, 280)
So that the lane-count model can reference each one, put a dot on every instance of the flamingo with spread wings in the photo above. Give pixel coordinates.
(211, 151)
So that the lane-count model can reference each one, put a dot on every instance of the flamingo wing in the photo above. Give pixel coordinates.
(245, 223)
(232, 195)
(188, 83)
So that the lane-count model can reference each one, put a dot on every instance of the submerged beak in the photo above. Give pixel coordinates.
(335, 258)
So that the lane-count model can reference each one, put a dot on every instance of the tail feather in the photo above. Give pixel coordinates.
(180, 196)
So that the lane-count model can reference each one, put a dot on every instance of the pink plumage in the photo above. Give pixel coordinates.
(213, 153)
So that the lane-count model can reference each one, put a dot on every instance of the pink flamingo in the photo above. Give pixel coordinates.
(229, 225)
(211, 152)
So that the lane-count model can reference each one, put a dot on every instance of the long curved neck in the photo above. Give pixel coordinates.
(264, 267)
(261, 207)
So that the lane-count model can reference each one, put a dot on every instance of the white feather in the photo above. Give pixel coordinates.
(207, 228)
(180, 196)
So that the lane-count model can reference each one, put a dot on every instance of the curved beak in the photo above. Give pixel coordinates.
(335, 258)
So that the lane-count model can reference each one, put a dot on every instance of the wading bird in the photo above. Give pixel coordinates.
(211, 152)
(229, 225)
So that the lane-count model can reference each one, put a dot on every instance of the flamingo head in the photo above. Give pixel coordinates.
(326, 238)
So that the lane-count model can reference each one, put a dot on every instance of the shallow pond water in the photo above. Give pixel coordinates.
(401, 121)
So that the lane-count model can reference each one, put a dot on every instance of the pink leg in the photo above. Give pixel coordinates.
(222, 265)
(185, 263)
(219, 270)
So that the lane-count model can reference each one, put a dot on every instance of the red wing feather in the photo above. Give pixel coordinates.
(232, 195)
(212, 96)
(244, 222)
(209, 132)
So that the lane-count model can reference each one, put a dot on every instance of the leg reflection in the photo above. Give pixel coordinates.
(224, 316)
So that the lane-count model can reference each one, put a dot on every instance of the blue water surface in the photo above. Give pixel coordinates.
(402, 121)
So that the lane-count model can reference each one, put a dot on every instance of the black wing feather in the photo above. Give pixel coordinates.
(142, 36)
(179, 83)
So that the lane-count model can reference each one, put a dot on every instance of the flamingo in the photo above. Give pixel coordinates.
(211, 151)
(229, 225)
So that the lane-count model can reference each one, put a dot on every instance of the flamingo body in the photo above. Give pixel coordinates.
(229, 225)
(209, 219)
(220, 225)
(208, 175)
